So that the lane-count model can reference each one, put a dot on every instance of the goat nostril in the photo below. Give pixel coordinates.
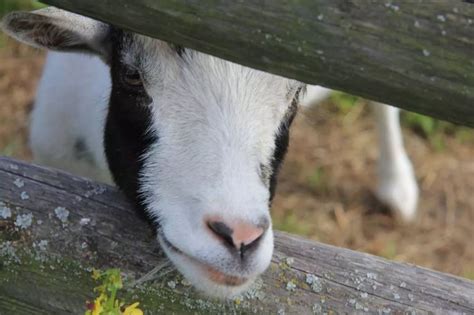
(221, 230)
(239, 236)
(246, 247)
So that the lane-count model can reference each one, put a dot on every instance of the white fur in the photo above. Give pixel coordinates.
(315, 94)
(397, 186)
(71, 103)
(216, 122)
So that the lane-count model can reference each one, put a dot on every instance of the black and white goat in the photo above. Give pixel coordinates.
(194, 141)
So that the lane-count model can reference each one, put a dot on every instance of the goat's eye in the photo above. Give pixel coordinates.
(132, 78)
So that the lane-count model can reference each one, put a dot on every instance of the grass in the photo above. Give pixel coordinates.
(317, 180)
(10, 149)
(390, 250)
(344, 102)
(435, 131)
(468, 273)
(292, 224)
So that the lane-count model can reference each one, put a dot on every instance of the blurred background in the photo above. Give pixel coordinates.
(326, 186)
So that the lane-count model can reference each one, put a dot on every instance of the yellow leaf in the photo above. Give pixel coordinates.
(95, 274)
(132, 310)
(98, 305)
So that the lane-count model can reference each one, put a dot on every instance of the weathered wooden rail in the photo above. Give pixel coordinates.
(45, 255)
(418, 54)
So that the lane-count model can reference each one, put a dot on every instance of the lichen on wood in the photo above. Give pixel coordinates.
(45, 265)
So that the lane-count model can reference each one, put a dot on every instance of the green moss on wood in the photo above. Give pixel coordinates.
(33, 282)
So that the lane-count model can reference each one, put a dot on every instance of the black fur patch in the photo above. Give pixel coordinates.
(128, 120)
(180, 50)
(281, 143)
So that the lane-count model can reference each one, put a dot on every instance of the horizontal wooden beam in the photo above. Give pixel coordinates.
(60, 226)
(418, 55)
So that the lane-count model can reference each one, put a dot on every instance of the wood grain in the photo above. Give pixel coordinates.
(418, 55)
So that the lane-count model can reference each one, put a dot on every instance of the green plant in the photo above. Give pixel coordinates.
(433, 130)
(291, 223)
(390, 250)
(107, 302)
(344, 102)
(468, 272)
(436, 131)
(317, 179)
(10, 148)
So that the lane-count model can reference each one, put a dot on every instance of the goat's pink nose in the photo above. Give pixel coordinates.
(237, 234)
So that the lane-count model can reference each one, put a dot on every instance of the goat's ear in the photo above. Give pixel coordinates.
(56, 29)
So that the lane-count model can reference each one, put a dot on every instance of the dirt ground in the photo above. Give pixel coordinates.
(325, 188)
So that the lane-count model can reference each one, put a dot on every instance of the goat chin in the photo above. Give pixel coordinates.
(209, 282)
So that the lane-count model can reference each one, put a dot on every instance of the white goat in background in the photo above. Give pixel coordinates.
(396, 187)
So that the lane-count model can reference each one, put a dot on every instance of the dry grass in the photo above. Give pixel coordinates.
(19, 70)
(326, 183)
(326, 194)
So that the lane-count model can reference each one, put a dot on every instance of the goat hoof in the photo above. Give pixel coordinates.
(398, 190)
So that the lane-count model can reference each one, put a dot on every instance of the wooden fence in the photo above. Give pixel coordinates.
(418, 55)
(46, 257)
